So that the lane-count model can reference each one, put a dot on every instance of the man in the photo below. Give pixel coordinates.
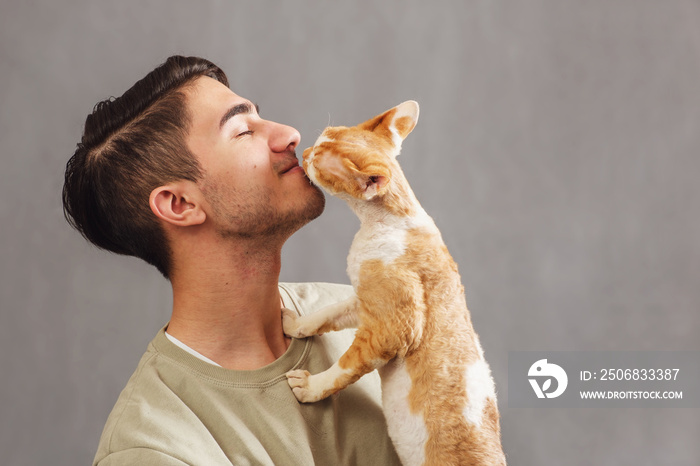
(185, 174)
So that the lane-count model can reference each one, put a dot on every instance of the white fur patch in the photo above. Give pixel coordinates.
(342, 314)
(480, 388)
(321, 139)
(326, 379)
(406, 429)
(378, 242)
(383, 239)
(311, 170)
(396, 139)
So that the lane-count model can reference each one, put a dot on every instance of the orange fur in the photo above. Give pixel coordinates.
(410, 302)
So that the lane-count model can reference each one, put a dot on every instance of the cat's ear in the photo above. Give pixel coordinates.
(405, 118)
(398, 121)
(372, 185)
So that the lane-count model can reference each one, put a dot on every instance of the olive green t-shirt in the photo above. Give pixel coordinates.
(179, 410)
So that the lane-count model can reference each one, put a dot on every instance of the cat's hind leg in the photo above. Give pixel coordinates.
(331, 318)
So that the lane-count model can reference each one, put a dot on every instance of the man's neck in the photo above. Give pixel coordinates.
(228, 308)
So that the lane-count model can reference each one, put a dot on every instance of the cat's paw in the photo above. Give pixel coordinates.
(300, 382)
(293, 325)
(290, 326)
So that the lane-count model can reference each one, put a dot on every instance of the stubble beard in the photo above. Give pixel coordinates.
(254, 217)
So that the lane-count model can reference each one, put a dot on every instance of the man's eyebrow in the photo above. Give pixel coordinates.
(245, 107)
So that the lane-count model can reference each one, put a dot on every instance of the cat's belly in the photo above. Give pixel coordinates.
(406, 429)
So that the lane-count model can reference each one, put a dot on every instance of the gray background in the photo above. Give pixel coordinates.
(557, 151)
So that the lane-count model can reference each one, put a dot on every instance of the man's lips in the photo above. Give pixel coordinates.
(288, 165)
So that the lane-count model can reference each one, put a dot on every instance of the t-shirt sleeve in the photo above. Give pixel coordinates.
(139, 456)
(310, 297)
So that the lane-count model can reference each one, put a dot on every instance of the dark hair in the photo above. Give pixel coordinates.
(131, 145)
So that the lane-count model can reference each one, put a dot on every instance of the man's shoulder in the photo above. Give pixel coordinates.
(310, 296)
(154, 420)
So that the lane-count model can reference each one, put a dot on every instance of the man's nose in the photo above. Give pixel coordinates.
(283, 138)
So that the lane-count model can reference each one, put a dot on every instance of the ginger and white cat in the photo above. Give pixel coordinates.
(409, 310)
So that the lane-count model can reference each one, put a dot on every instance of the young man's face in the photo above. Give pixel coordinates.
(251, 176)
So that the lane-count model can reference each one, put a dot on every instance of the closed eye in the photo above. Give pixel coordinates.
(244, 133)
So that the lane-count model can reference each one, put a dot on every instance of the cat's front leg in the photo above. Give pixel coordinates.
(334, 317)
(310, 388)
(306, 388)
(361, 358)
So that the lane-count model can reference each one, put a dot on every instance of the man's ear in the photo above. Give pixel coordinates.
(178, 203)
